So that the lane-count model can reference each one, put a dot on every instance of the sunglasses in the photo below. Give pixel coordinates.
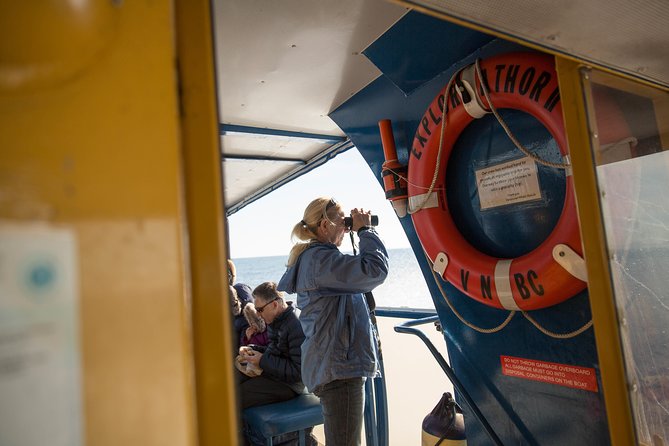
(262, 308)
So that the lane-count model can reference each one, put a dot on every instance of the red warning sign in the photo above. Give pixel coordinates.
(550, 372)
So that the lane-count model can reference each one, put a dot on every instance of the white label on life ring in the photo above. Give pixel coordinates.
(416, 202)
(567, 162)
(503, 285)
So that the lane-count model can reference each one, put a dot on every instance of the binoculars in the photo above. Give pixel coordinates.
(348, 221)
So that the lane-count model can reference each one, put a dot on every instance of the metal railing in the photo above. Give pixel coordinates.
(407, 327)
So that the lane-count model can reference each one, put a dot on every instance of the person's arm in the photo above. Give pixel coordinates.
(249, 336)
(344, 273)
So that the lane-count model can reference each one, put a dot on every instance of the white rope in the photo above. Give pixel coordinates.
(499, 118)
(552, 334)
(409, 182)
(459, 316)
(507, 130)
(441, 141)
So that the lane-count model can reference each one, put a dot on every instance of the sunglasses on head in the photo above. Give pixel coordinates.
(261, 308)
(332, 203)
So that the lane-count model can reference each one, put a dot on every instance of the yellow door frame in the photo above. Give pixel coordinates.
(103, 137)
(573, 78)
(216, 406)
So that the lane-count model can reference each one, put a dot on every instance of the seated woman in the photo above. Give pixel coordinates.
(243, 293)
(281, 359)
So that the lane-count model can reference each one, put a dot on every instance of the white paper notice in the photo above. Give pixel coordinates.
(40, 375)
(507, 183)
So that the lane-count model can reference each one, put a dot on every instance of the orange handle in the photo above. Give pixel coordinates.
(387, 140)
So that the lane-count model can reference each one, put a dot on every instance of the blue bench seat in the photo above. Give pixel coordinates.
(300, 413)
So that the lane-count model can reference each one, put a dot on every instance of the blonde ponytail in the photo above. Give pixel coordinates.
(305, 230)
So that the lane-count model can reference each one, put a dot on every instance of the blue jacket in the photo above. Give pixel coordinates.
(339, 340)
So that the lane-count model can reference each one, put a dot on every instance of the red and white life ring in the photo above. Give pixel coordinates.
(520, 81)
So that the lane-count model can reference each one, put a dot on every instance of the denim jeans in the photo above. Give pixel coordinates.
(343, 402)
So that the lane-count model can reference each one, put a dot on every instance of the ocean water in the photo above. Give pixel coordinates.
(404, 286)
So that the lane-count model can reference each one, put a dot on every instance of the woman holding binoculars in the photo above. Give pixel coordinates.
(340, 349)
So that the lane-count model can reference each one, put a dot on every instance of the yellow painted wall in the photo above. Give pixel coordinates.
(89, 140)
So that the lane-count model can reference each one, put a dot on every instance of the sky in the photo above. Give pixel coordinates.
(263, 228)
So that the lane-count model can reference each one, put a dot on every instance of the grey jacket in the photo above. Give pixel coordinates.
(339, 340)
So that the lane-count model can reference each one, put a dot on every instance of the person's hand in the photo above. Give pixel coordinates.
(252, 357)
(360, 218)
(250, 331)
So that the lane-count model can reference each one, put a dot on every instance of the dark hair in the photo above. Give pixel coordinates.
(267, 291)
(234, 301)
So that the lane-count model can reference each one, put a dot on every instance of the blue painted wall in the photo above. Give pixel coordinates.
(418, 56)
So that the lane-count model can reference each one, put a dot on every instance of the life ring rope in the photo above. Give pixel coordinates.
(405, 178)
(459, 316)
(506, 128)
(552, 334)
(426, 196)
(502, 123)
(479, 106)
(512, 313)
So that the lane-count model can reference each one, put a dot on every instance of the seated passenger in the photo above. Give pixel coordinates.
(245, 297)
(280, 360)
(235, 304)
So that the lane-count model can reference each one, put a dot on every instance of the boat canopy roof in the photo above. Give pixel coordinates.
(282, 68)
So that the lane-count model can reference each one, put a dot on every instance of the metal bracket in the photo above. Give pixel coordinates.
(469, 97)
(440, 263)
(569, 259)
